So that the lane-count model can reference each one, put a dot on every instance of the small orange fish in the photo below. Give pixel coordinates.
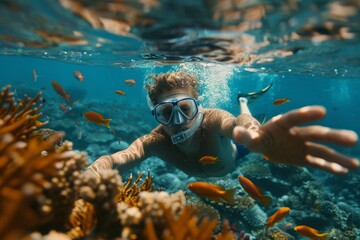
(64, 108)
(212, 191)
(254, 191)
(130, 82)
(208, 160)
(265, 157)
(59, 90)
(276, 217)
(95, 117)
(79, 75)
(40, 124)
(309, 232)
(280, 101)
(120, 92)
(35, 76)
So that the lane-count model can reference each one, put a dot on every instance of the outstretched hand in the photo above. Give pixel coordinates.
(282, 140)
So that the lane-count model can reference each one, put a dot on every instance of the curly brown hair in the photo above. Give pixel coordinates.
(164, 82)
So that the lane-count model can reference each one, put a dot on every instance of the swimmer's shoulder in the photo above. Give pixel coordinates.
(215, 116)
(158, 134)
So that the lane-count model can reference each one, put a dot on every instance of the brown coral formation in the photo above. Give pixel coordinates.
(139, 213)
(18, 117)
(35, 179)
(190, 229)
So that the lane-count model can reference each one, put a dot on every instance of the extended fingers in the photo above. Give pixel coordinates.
(325, 134)
(317, 154)
(325, 165)
(298, 116)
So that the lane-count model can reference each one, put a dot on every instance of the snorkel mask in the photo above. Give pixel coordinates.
(175, 112)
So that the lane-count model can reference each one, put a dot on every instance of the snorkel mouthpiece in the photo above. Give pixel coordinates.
(182, 136)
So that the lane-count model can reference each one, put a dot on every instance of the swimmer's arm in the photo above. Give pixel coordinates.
(228, 122)
(126, 159)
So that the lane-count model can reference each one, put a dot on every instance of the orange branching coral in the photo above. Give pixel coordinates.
(147, 185)
(227, 233)
(129, 193)
(82, 219)
(35, 178)
(184, 226)
(21, 118)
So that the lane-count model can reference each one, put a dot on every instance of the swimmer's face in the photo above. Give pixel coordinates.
(178, 122)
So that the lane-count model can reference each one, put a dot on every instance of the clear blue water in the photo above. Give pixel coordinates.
(322, 67)
(221, 83)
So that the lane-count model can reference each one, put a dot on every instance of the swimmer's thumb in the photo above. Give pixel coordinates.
(244, 136)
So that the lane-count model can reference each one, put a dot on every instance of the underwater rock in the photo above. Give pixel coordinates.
(253, 216)
(292, 174)
(170, 182)
(94, 151)
(338, 216)
(351, 181)
(255, 170)
(315, 219)
(308, 194)
(99, 137)
(116, 146)
(354, 218)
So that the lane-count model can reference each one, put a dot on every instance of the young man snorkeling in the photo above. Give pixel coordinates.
(187, 133)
